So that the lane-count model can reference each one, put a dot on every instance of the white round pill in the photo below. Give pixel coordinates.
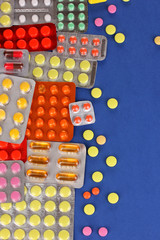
(47, 2)
(35, 3)
(22, 19)
(47, 18)
(34, 18)
(22, 3)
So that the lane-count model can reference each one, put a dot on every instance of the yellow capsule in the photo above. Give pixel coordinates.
(65, 176)
(68, 147)
(35, 159)
(37, 173)
(68, 162)
(40, 145)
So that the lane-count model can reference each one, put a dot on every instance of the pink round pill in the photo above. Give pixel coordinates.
(3, 168)
(87, 231)
(16, 168)
(112, 9)
(98, 22)
(3, 197)
(15, 196)
(103, 232)
(15, 182)
(3, 182)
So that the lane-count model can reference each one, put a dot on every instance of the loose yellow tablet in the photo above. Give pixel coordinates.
(113, 198)
(96, 1)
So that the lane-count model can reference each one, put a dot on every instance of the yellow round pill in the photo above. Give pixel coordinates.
(49, 235)
(68, 76)
(19, 234)
(96, 92)
(126, 0)
(5, 234)
(6, 7)
(5, 20)
(21, 206)
(64, 206)
(111, 161)
(89, 209)
(7, 83)
(101, 140)
(55, 61)
(110, 29)
(64, 221)
(14, 134)
(63, 235)
(39, 59)
(65, 192)
(113, 198)
(2, 115)
(50, 206)
(22, 103)
(93, 151)
(49, 220)
(50, 191)
(34, 234)
(88, 135)
(6, 206)
(83, 78)
(18, 118)
(35, 205)
(5, 219)
(70, 63)
(97, 176)
(36, 191)
(25, 190)
(34, 220)
(4, 99)
(112, 103)
(25, 87)
(157, 40)
(53, 74)
(37, 72)
(1, 130)
(20, 220)
(119, 37)
(85, 65)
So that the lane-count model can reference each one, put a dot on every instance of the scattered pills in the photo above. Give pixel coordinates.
(97, 177)
(89, 209)
(112, 103)
(112, 9)
(93, 151)
(103, 231)
(98, 22)
(87, 231)
(87, 195)
(96, 92)
(126, 0)
(101, 140)
(110, 29)
(157, 40)
(113, 198)
(111, 161)
(95, 191)
(119, 37)
(88, 135)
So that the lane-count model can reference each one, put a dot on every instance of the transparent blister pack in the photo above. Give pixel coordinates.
(82, 113)
(14, 62)
(6, 13)
(47, 212)
(72, 16)
(61, 163)
(11, 181)
(47, 66)
(81, 46)
(15, 101)
(34, 11)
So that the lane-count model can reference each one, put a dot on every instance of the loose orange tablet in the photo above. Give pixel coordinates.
(101, 140)
(157, 40)
(95, 191)
(86, 195)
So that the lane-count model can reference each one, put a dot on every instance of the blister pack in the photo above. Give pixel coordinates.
(81, 46)
(34, 11)
(15, 101)
(50, 67)
(37, 37)
(14, 62)
(11, 151)
(61, 163)
(6, 13)
(49, 118)
(11, 181)
(81, 113)
(47, 212)
(72, 15)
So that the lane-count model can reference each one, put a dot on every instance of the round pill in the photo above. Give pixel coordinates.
(2, 115)
(96, 92)
(71, 17)
(15, 182)
(95, 191)
(81, 17)
(72, 50)
(87, 231)
(22, 103)
(75, 108)
(103, 232)
(65, 206)
(34, 3)
(4, 234)
(96, 42)
(70, 63)
(86, 106)
(20, 32)
(89, 209)
(126, 0)
(8, 34)
(35, 18)
(157, 40)
(25, 87)
(5, 20)
(21, 44)
(53, 74)
(111, 161)
(63, 235)
(88, 135)
(15, 196)
(16, 168)
(119, 37)
(8, 44)
(34, 220)
(3, 168)
(71, 7)
(3, 197)
(68, 76)
(34, 44)
(65, 192)
(20, 219)
(19, 234)
(73, 39)
(22, 18)
(95, 52)
(93, 151)
(35, 205)
(7, 83)
(110, 29)
(45, 31)
(60, 49)
(18, 118)
(47, 2)
(112, 9)
(83, 78)
(36, 191)
(50, 206)
(77, 120)
(16, 155)
(83, 51)
(33, 32)
(60, 7)
(49, 235)
(89, 118)
(112, 103)
(4, 99)
(60, 26)
(50, 191)
(6, 206)
(64, 221)
(85, 65)
(49, 220)
(46, 43)
(101, 140)
(113, 198)
(3, 155)
(60, 17)
(87, 195)
(47, 18)
(81, 7)
(98, 22)
(14, 134)
(71, 26)
(25, 190)
(21, 206)
(97, 176)
(5, 219)
(37, 72)
(55, 61)
(34, 234)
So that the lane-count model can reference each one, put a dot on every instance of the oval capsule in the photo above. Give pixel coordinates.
(68, 147)
(40, 145)
(65, 176)
(68, 162)
(35, 159)
(37, 173)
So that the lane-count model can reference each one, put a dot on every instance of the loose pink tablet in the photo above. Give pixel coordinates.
(3, 182)
(15, 196)
(98, 22)
(15, 182)
(112, 9)
(103, 232)
(87, 231)
(3, 168)
(3, 197)
(16, 168)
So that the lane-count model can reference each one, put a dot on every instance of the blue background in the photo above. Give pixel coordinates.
(130, 73)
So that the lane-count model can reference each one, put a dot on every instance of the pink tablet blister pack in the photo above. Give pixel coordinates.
(11, 181)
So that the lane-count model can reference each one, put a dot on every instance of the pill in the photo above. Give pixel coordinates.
(65, 206)
(13, 66)
(50, 191)
(111, 161)
(103, 232)
(15, 182)
(93, 151)
(96, 92)
(110, 29)
(63, 235)
(112, 9)
(68, 162)
(50, 206)
(157, 40)
(89, 118)
(15, 196)
(98, 22)
(21, 206)
(2, 115)
(113, 198)
(7, 83)
(34, 234)
(16, 168)
(88, 135)
(119, 37)
(89, 209)
(87, 231)
(64, 221)
(85, 65)
(101, 140)
(34, 220)
(65, 192)
(87, 195)
(68, 147)
(97, 176)
(49, 220)
(5, 20)
(18, 118)
(48, 235)
(95, 191)
(36, 191)
(75, 108)
(3, 182)
(36, 159)
(66, 176)
(35, 205)
(3, 168)
(19, 234)
(13, 54)
(25, 87)
(112, 103)
(14, 134)
(22, 103)
(40, 145)
(37, 173)
(4, 99)
(5, 234)
(126, 0)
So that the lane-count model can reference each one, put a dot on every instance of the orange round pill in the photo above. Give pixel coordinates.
(8, 44)
(65, 101)
(29, 122)
(28, 133)
(83, 51)
(95, 52)
(95, 191)
(89, 118)
(96, 42)
(61, 38)
(41, 88)
(45, 31)
(46, 43)
(84, 41)
(21, 44)
(38, 134)
(64, 112)
(64, 123)
(60, 49)
(87, 195)
(52, 123)
(63, 135)
(34, 44)
(77, 120)
(41, 100)
(86, 106)
(66, 89)
(33, 32)
(54, 89)
(73, 39)
(75, 108)
(39, 122)
(40, 111)
(53, 100)
(51, 134)
(52, 111)
(20, 32)
(72, 50)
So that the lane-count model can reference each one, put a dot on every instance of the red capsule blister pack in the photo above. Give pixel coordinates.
(49, 118)
(38, 37)
(11, 151)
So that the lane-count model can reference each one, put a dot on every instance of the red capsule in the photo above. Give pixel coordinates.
(13, 66)
(13, 54)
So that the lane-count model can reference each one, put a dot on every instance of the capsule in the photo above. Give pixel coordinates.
(68, 162)
(68, 147)
(13, 54)
(13, 66)
(37, 173)
(35, 159)
(65, 176)
(40, 145)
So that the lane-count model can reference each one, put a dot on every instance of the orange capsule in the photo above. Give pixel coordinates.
(69, 147)
(63, 135)
(38, 133)
(53, 100)
(51, 134)
(66, 89)
(40, 111)
(39, 122)
(37, 173)
(52, 123)
(65, 176)
(36, 159)
(54, 89)
(65, 101)
(68, 162)
(41, 100)
(64, 123)
(40, 145)
(52, 111)
(64, 112)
